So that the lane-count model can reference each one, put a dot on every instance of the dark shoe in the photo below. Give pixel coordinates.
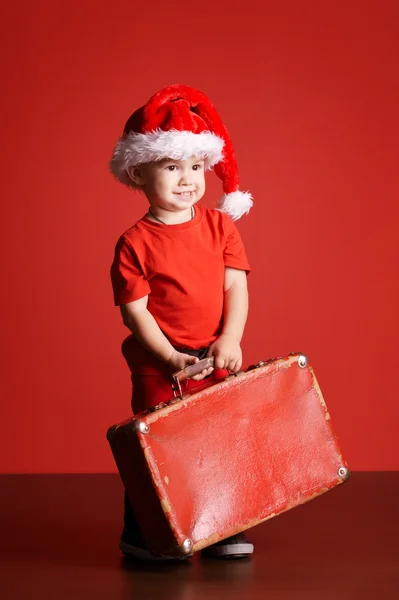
(236, 546)
(132, 544)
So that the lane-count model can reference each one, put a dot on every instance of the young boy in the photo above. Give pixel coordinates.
(179, 274)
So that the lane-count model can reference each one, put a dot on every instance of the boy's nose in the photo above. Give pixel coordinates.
(185, 179)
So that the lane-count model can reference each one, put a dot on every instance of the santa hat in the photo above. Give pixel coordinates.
(179, 122)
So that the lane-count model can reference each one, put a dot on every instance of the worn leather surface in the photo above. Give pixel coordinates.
(240, 452)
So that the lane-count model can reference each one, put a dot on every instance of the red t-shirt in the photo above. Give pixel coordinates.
(181, 269)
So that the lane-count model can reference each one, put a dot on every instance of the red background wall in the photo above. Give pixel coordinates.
(309, 92)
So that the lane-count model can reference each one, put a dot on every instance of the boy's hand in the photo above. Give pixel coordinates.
(179, 360)
(227, 352)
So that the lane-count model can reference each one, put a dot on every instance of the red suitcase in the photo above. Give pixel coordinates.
(206, 466)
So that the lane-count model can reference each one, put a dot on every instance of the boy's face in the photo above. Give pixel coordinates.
(173, 185)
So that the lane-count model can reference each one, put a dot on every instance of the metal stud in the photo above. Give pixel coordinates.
(303, 361)
(173, 401)
(141, 427)
(186, 547)
(238, 374)
(344, 473)
(157, 407)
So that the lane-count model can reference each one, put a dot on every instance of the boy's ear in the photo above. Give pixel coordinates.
(136, 174)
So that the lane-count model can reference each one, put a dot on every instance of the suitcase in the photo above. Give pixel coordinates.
(205, 466)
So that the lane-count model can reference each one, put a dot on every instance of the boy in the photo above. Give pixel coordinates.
(179, 274)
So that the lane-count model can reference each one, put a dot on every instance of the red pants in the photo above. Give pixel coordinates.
(151, 378)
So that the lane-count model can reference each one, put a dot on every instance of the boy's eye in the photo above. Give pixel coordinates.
(197, 167)
(171, 167)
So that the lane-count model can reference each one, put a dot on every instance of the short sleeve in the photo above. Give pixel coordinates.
(234, 252)
(128, 280)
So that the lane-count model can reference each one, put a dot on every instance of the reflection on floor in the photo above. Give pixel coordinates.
(60, 533)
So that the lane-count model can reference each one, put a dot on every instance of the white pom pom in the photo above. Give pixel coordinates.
(236, 204)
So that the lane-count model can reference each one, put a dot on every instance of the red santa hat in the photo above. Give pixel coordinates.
(179, 122)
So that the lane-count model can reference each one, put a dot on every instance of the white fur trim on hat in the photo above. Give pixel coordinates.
(138, 148)
(236, 204)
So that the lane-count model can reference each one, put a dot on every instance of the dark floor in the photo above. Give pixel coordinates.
(59, 540)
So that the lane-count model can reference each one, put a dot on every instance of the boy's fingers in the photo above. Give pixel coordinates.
(205, 372)
(202, 375)
(230, 365)
(219, 362)
(191, 360)
(198, 377)
(236, 366)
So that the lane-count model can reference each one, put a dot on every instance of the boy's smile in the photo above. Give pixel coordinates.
(185, 194)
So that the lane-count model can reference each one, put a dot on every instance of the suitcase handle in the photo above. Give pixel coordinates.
(195, 369)
(190, 371)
